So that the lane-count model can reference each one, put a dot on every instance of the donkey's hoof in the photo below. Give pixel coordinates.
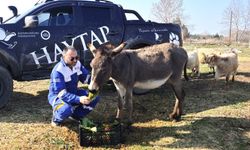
(171, 116)
(128, 124)
(174, 117)
(127, 127)
(177, 119)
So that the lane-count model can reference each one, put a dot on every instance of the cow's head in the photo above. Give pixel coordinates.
(212, 59)
(101, 64)
(207, 58)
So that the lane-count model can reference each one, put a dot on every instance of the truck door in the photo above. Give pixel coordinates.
(55, 29)
(102, 22)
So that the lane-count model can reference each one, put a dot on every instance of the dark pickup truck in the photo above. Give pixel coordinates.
(32, 42)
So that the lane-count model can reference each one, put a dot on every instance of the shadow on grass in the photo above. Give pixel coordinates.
(245, 74)
(27, 108)
(201, 95)
(204, 133)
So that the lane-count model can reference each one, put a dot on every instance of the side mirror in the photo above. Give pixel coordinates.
(13, 9)
(30, 21)
(1, 20)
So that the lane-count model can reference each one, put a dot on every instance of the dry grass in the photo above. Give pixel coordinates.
(217, 116)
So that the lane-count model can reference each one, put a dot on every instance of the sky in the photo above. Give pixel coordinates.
(201, 16)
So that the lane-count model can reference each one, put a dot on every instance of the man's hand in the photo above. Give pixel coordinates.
(85, 86)
(84, 100)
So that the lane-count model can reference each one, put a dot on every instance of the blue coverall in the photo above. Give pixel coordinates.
(64, 96)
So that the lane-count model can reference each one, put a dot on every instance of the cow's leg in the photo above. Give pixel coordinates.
(233, 78)
(121, 100)
(198, 70)
(217, 74)
(179, 95)
(213, 71)
(227, 78)
(234, 73)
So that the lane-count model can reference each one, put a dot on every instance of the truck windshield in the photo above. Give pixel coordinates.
(15, 19)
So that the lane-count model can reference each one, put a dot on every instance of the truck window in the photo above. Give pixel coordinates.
(58, 16)
(96, 15)
(132, 15)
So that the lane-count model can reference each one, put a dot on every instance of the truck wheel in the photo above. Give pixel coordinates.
(6, 86)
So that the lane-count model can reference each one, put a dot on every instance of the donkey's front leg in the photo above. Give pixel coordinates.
(129, 104)
(121, 100)
(119, 114)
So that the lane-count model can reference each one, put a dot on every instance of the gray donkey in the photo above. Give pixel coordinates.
(144, 68)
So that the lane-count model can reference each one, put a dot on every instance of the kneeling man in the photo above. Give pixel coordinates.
(64, 96)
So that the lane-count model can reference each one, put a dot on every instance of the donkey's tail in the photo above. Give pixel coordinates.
(185, 71)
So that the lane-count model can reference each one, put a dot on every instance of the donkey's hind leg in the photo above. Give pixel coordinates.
(179, 98)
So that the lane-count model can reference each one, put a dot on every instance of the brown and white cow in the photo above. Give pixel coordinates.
(226, 64)
(145, 68)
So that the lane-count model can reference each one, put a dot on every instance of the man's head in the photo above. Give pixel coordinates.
(70, 56)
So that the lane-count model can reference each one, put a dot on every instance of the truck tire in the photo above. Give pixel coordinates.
(6, 86)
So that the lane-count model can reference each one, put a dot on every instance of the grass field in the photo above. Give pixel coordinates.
(217, 116)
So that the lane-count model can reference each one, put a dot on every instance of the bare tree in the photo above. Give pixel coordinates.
(246, 23)
(170, 11)
(237, 18)
(185, 32)
(167, 10)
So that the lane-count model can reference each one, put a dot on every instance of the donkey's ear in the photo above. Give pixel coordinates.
(118, 49)
(92, 48)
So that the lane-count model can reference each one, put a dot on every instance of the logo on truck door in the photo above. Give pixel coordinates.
(5, 37)
(174, 38)
(45, 35)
